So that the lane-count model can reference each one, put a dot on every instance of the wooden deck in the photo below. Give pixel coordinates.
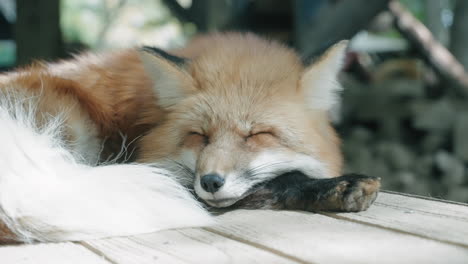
(396, 229)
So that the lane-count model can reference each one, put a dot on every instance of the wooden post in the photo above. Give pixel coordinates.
(37, 31)
(304, 11)
(335, 22)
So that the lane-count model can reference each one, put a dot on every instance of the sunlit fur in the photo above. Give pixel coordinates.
(257, 113)
(241, 106)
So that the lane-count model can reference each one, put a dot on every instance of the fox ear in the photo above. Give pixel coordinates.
(170, 80)
(319, 81)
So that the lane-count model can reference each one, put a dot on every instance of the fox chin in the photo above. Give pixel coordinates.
(111, 144)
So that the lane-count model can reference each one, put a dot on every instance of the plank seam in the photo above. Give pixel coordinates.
(393, 229)
(403, 208)
(96, 251)
(142, 244)
(424, 198)
(257, 245)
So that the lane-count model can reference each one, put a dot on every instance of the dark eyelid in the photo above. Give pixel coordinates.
(206, 139)
(197, 133)
(261, 132)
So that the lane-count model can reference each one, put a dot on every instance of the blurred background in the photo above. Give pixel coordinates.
(404, 115)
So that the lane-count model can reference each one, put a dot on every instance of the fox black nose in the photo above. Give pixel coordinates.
(211, 182)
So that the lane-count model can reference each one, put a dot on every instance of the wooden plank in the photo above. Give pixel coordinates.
(49, 253)
(443, 221)
(128, 251)
(182, 246)
(320, 239)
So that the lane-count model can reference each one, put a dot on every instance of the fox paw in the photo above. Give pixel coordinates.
(358, 192)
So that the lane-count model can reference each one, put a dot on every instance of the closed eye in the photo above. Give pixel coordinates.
(197, 133)
(204, 137)
(260, 133)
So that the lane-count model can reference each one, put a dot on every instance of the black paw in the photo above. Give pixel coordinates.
(357, 192)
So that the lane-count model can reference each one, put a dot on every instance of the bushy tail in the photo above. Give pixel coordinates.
(47, 195)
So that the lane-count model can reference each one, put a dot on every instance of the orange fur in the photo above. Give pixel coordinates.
(243, 93)
(227, 69)
(109, 93)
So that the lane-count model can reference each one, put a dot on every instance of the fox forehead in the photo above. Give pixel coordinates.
(241, 61)
(241, 114)
(246, 82)
(247, 74)
(235, 83)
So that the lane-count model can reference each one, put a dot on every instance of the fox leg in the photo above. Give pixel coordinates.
(295, 191)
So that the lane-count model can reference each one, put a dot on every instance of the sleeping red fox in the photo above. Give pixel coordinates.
(235, 118)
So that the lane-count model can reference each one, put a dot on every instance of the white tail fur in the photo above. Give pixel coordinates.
(47, 195)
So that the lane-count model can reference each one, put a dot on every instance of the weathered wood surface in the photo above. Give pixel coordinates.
(436, 220)
(60, 253)
(182, 246)
(396, 229)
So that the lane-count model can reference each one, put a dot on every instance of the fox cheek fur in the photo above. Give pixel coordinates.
(237, 117)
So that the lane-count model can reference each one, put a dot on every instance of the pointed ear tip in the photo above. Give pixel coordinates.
(343, 42)
(341, 45)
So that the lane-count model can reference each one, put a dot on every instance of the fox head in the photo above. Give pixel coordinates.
(242, 110)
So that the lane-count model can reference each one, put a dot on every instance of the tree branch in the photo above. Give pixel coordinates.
(435, 53)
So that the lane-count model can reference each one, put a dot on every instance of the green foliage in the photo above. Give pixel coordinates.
(98, 23)
(80, 20)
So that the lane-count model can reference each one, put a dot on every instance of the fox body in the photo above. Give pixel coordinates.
(225, 116)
